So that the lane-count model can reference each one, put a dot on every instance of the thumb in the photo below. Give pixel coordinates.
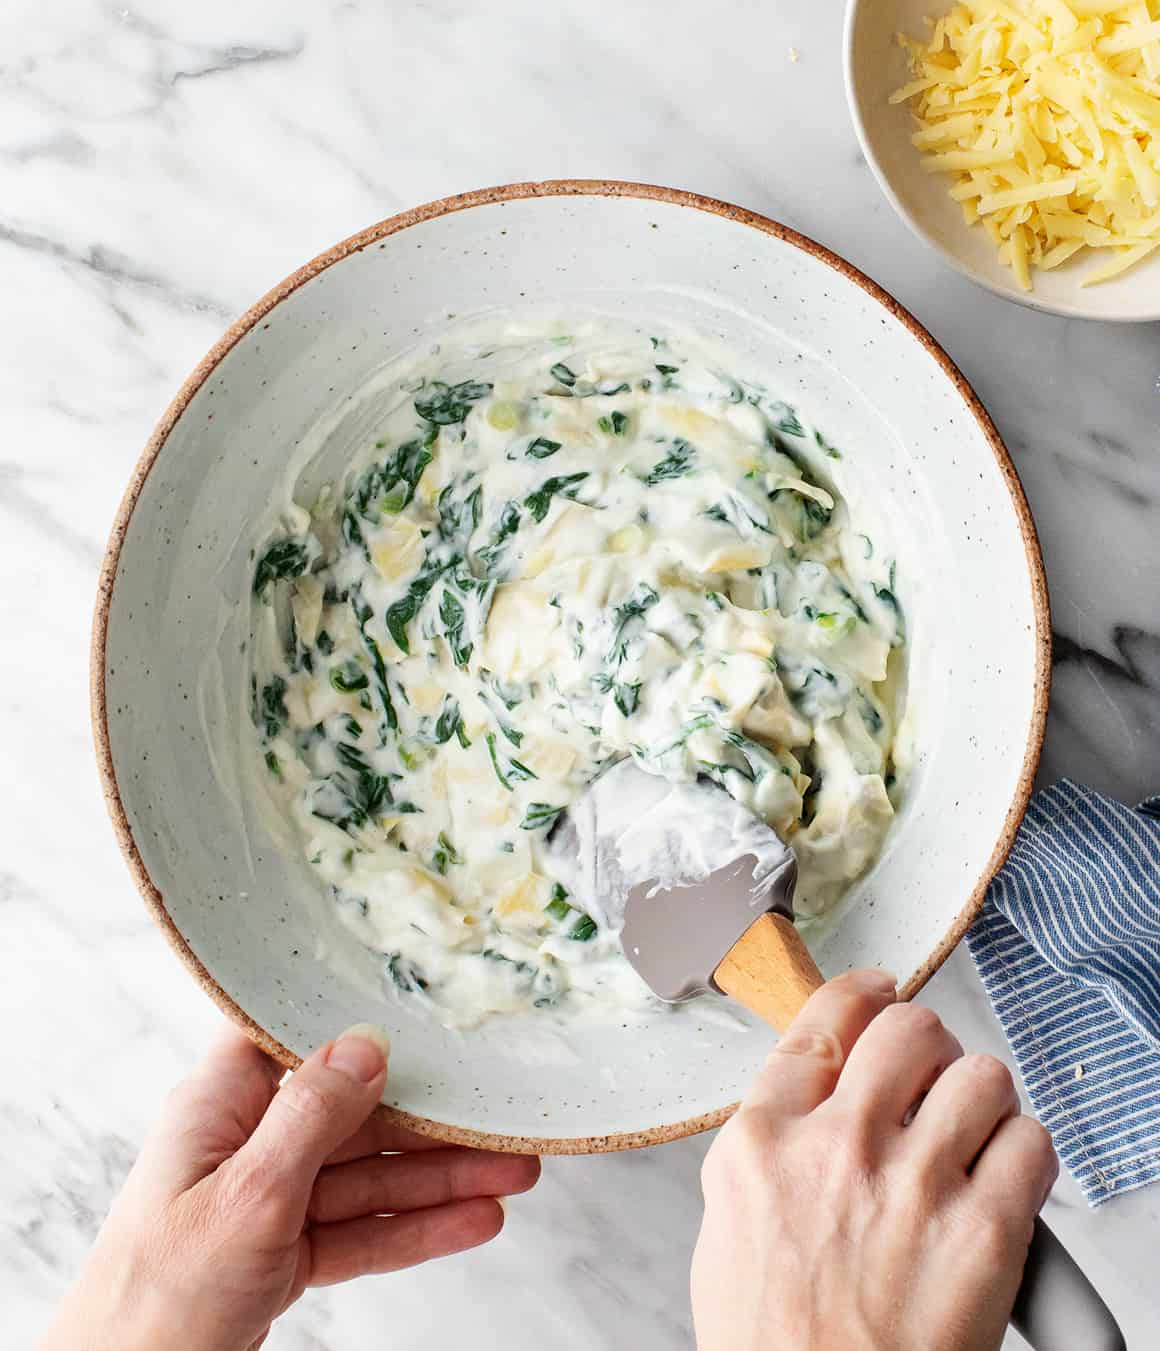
(320, 1105)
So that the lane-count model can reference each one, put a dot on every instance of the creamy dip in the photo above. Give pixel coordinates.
(563, 547)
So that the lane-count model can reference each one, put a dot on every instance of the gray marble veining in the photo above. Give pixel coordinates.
(160, 166)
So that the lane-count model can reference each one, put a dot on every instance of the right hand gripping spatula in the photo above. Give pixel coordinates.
(703, 894)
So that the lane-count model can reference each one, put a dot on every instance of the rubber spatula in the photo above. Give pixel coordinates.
(700, 888)
(704, 892)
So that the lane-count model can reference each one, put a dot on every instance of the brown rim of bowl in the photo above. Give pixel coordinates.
(567, 187)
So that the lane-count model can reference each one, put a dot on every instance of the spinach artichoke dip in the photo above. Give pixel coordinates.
(563, 546)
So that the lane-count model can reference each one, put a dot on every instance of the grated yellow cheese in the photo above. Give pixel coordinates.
(1047, 115)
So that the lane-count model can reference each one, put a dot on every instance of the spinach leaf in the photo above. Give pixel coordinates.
(615, 424)
(540, 816)
(406, 975)
(717, 772)
(382, 688)
(888, 598)
(511, 733)
(508, 695)
(444, 404)
(349, 802)
(452, 615)
(509, 523)
(352, 532)
(760, 760)
(542, 447)
(448, 723)
(627, 698)
(371, 791)
(812, 688)
(334, 800)
(695, 724)
(491, 750)
(642, 598)
(473, 508)
(870, 715)
(352, 758)
(514, 736)
(400, 614)
(387, 487)
(565, 485)
(749, 758)
(560, 908)
(270, 712)
(458, 520)
(813, 788)
(284, 558)
(514, 769)
(787, 420)
(563, 375)
(405, 469)
(348, 677)
(859, 612)
(678, 463)
(823, 445)
(525, 972)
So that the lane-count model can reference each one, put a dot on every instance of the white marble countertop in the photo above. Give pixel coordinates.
(161, 165)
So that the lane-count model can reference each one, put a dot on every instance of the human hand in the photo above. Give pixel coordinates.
(247, 1193)
(845, 1209)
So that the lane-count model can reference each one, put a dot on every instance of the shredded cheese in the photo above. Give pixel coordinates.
(1047, 115)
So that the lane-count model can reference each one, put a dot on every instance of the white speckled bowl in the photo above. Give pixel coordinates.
(875, 67)
(246, 915)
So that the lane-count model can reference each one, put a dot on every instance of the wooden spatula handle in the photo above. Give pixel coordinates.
(770, 971)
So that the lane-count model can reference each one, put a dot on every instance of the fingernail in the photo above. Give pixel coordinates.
(873, 982)
(360, 1053)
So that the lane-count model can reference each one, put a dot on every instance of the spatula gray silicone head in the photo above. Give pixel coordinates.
(701, 889)
(677, 936)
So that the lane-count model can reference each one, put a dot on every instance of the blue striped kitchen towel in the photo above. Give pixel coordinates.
(1068, 947)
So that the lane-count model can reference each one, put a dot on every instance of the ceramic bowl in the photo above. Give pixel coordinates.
(240, 905)
(875, 66)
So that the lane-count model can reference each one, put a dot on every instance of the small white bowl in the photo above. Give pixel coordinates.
(875, 66)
